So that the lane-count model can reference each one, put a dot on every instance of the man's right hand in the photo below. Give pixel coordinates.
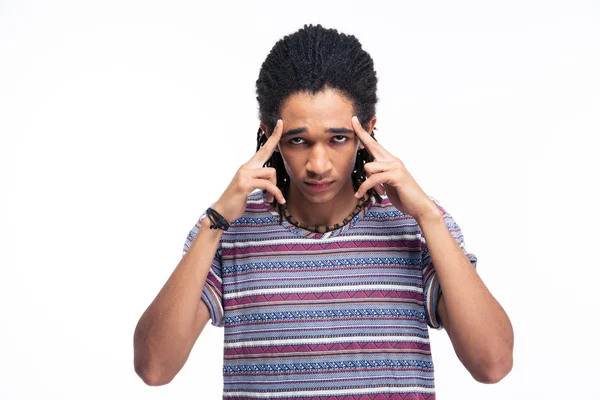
(249, 177)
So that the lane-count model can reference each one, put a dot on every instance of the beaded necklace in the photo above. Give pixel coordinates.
(324, 228)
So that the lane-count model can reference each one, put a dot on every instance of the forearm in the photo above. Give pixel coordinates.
(479, 329)
(168, 329)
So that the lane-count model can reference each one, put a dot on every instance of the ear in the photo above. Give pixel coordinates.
(263, 128)
(370, 129)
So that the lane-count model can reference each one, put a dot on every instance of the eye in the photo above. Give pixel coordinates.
(342, 138)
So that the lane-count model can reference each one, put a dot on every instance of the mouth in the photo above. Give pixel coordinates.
(318, 186)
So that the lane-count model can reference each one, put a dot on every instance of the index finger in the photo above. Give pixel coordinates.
(372, 145)
(265, 152)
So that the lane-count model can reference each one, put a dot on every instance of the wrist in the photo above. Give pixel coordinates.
(217, 220)
(206, 230)
(432, 214)
(222, 211)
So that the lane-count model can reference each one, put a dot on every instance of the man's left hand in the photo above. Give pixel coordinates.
(388, 175)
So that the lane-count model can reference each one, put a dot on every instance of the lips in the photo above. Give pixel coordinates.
(318, 186)
(319, 183)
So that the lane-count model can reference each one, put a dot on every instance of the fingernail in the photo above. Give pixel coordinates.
(356, 195)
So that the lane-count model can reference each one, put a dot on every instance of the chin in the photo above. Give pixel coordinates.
(318, 199)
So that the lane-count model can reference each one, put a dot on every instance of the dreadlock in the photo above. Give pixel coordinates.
(310, 60)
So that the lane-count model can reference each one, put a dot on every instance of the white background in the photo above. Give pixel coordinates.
(121, 121)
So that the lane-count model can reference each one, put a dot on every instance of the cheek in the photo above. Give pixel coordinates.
(352, 152)
(345, 162)
(352, 162)
(290, 163)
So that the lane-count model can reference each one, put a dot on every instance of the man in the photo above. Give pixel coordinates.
(327, 278)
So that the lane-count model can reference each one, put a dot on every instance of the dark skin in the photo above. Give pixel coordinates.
(319, 145)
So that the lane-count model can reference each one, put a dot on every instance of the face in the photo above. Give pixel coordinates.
(318, 145)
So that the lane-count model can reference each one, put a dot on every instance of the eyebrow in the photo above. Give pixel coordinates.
(297, 131)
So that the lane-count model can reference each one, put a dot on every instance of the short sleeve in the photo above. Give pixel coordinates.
(212, 293)
(431, 285)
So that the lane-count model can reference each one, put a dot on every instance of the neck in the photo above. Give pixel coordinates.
(315, 213)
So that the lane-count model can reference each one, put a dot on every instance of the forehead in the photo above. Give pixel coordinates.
(325, 107)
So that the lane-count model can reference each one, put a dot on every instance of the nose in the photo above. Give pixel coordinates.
(319, 162)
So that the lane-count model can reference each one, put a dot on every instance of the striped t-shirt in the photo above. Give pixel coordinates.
(327, 316)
